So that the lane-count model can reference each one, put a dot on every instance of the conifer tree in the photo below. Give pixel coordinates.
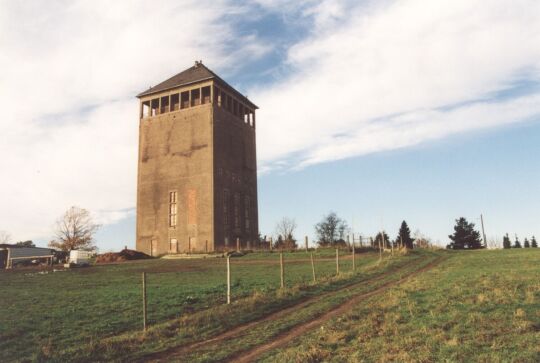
(517, 244)
(533, 242)
(506, 242)
(404, 236)
(465, 236)
(526, 243)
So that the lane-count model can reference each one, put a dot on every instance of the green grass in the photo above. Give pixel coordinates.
(265, 331)
(62, 310)
(474, 306)
(478, 306)
(134, 346)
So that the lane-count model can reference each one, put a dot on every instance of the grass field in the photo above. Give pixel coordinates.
(69, 308)
(422, 306)
(481, 306)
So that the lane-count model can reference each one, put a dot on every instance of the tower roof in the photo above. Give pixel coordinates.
(197, 73)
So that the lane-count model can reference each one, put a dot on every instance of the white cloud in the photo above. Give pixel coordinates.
(370, 76)
(69, 115)
(364, 64)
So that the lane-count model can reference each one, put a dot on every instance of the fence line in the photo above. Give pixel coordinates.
(311, 261)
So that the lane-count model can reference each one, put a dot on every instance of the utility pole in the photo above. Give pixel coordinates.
(483, 231)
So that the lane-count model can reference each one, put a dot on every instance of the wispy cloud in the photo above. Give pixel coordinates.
(369, 76)
(397, 73)
(69, 118)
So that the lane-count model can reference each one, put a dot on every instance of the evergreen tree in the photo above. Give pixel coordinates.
(378, 238)
(517, 244)
(533, 242)
(526, 243)
(404, 236)
(465, 236)
(506, 242)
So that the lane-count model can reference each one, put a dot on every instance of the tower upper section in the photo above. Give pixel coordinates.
(194, 87)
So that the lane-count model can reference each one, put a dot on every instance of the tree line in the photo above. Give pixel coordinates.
(526, 244)
(333, 231)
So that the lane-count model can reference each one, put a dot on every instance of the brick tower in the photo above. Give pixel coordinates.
(197, 167)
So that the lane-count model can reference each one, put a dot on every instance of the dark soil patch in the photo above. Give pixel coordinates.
(124, 255)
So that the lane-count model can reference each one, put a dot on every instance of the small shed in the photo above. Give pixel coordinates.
(13, 253)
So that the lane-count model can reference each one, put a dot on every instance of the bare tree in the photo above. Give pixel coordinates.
(420, 240)
(5, 237)
(285, 229)
(331, 230)
(75, 230)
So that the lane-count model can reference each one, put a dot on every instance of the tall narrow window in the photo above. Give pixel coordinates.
(172, 209)
(145, 112)
(154, 107)
(236, 210)
(184, 99)
(205, 97)
(195, 97)
(247, 202)
(175, 102)
(226, 209)
(164, 105)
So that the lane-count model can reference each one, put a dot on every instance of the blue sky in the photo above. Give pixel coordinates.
(491, 172)
(379, 111)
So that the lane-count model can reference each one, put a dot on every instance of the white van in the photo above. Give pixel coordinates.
(79, 258)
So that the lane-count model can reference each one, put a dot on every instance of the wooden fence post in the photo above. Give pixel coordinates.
(282, 272)
(337, 261)
(306, 239)
(380, 249)
(313, 268)
(238, 244)
(144, 300)
(228, 279)
(353, 258)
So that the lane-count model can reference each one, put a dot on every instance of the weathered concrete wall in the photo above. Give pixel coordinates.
(235, 169)
(175, 154)
(199, 152)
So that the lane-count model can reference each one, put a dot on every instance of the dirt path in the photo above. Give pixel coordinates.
(285, 338)
(178, 352)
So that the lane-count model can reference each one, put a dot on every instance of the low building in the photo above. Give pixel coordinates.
(13, 254)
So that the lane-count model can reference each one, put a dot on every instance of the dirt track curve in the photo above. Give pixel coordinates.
(285, 338)
(177, 353)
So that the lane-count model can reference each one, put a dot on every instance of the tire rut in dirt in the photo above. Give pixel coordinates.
(180, 351)
(283, 339)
